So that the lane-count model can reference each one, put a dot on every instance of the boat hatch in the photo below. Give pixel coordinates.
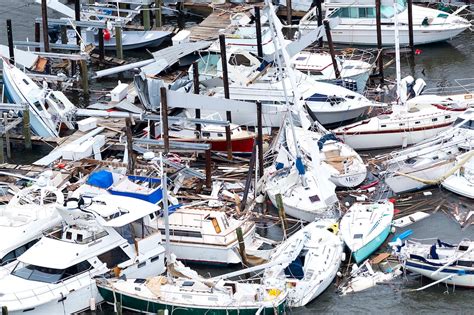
(314, 198)
(358, 236)
(113, 257)
(187, 283)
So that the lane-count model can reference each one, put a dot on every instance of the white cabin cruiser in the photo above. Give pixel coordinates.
(49, 110)
(56, 275)
(431, 161)
(209, 236)
(345, 166)
(314, 255)
(358, 22)
(23, 220)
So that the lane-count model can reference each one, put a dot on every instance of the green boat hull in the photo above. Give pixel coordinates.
(148, 306)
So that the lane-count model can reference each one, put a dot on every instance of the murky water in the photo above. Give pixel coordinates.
(437, 64)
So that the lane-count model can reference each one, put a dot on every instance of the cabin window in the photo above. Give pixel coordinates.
(367, 13)
(183, 233)
(358, 236)
(434, 119)
(447, 116)
(154, 258)
(239, 60)
(152, 216)
(468, 125)
(14, 254)
(8, 258)
(314, 198)
(142, 264)
(401, 124)
(48, 275)
(26, 82)
(383, 126)
(464, 263)
(113, 257)
(206, 134)
(417, 122)
(68, 235)
(79, 238)
(315, 72)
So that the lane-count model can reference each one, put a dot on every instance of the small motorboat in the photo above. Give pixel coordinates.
(440, 261)
(365, 227)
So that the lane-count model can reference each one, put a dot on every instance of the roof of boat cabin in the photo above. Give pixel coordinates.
(130, 209)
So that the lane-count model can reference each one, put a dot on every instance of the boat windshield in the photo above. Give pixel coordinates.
(388, 11)
(48, 275)
(468, 124)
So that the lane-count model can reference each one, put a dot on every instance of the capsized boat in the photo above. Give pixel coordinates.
(103, 235)
(462, 181)
(344, 164)
(365, 226)
(432, 161)
(358, 22)
(189, 293)
(314, 255)
(49, 110)
(364, 277)
(23, 220)
(440, 261)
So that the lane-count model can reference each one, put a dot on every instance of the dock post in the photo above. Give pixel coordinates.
(258, 30)
(64, 39)
(158, 22)
(378, 19)
(331, 49)
(260, 139)
(2, 157)
(208, 169)
(44, 15)
(26, 128)
(84, 76)
(225, 79)
(289, 18)
(37, 35)
(118, 41)
(240, 238)
(281, 213)
(146, 17)
(248, 179)
(164, 120)
(11, 48)
(7, 136)
(196, 91)
(101, 45)
(152, 131)
(320, 20)
(77, 14)
(410, 27)
(131, 155)
(4, 310)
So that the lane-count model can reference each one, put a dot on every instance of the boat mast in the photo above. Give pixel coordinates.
(278, 36)
(397, 51)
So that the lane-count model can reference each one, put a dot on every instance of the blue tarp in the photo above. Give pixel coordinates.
(102, 179)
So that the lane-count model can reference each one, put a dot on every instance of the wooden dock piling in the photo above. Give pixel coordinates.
(289, 13)
(258, 30)
(378, 21)
(164, 120)
(84, 76)
(44, 15)
(225, 79)
(77, 15)
(331, 49)
(158, 22)
(7, 135)
(146, 18)
(208, 169)
(281, 214)
(11, 48)
(37, 35)
(410, 27)
(26, 128)
(260, 139)
(240, 238)
(196, 90)
(131, 154)
(118, 42)
(320, 19)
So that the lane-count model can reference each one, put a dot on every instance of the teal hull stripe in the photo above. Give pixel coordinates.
(372, 246)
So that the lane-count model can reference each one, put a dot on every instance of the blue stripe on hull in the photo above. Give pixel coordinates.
(372, 246)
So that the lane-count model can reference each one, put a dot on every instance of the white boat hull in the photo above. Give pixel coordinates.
(400, 183)
(349, 180)
(381, 140)
(459, 185)
(465, 280)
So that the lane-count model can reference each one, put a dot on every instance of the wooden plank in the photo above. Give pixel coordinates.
(380, 257)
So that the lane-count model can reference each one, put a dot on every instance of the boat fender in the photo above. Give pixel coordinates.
(339, 274)
(107, 35)
(92, 304)
(343, 257)
(393, 229)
